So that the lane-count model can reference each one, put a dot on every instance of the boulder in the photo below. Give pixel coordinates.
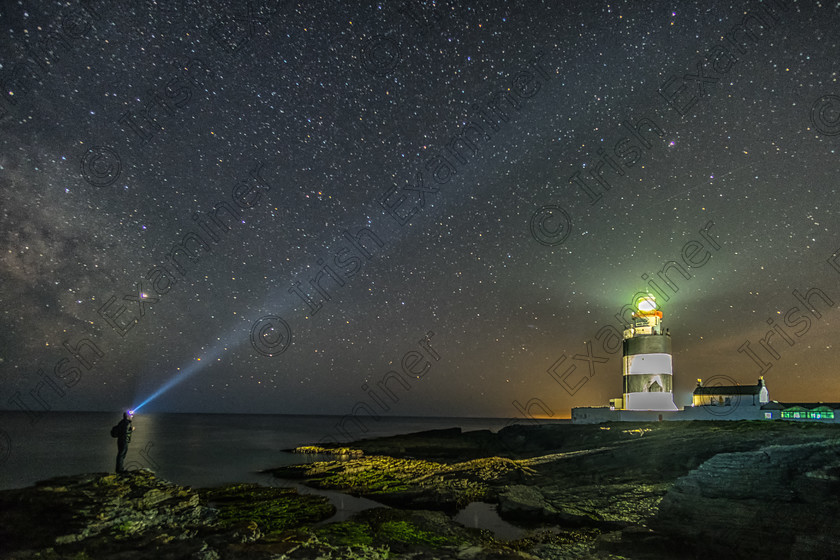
(777, 502)
(528, 503)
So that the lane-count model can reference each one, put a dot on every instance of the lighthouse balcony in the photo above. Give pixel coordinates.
(645, 331)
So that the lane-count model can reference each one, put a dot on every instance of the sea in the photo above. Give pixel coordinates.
(206, 450)
(199, 450)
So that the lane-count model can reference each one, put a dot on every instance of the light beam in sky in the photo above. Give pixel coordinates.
(186, 372)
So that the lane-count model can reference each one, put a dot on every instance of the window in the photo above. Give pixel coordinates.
(768, 415)
(799, 413)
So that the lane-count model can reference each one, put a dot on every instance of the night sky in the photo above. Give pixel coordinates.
(464, 196)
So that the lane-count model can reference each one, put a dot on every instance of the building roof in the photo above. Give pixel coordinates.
(728, 390)
(776, 405)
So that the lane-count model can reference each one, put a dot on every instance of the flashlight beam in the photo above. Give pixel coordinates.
(184, 373)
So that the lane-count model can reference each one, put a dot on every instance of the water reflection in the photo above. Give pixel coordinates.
(478, 515)
(481, 515)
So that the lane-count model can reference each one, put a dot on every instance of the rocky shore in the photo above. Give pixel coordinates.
(672, 490)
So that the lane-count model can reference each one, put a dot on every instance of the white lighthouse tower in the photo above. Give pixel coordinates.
(648, 374)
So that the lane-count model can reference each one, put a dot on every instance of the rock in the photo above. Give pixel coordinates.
(205, 553)
(68, 510)
(526, 500)
(527, 503)
(468, 552)
(777, 502)
(138, 515)
(335, 451)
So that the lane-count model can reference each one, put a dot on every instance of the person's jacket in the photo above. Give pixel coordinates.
(124, 431)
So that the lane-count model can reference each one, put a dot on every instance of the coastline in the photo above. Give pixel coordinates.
(608, 491)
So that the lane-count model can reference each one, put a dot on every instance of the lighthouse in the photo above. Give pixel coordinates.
(648, 375)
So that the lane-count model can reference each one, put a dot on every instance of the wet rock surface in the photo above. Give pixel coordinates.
(99, 514)
(778, 502)
(415, 483)
(612, 480)
(139, 516)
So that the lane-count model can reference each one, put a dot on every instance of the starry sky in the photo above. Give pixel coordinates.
(454, 192)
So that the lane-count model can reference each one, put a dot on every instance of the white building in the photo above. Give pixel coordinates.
(730, 395)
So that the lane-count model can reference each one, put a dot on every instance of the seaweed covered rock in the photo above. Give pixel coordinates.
(411, 483)
(137, 515)
(257, 512)
(66, 511)
(341, 452)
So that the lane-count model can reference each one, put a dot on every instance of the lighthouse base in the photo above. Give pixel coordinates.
(649, 401)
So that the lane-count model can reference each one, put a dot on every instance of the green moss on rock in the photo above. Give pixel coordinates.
(407, 533)
(399, 530)
(346, 533)
(271, 509)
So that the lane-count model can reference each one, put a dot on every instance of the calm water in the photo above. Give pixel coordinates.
(205, 450)
(189, 449)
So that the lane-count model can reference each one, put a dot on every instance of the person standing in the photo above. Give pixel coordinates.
(123, 434)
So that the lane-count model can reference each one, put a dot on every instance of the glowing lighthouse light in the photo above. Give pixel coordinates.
(647, 303)
(648, 374)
